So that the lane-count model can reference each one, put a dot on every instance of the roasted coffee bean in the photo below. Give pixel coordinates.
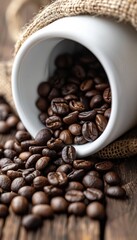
(77, 208)
(20, 126)
(42, 163)
(59, 204)
(24, 156)
(5, 161)
(63, 60)
(69, 88)
(82, 164)
(76, 175)
(5, 182)
(41, 104)
(107, 113)
(17, 147)
(92, 93)
(49, 168)
(54, 93)
(68, 154)
(101, 86)
(75, 186)
(60, 106)
(66, 137)
(75, 129)
(32, 160)
(115, 192)
(43, 89)
(79, 140)
(93, 194)
(19, 162)
(9, 153)
(22, 136)
(92, 182)
(7, 197)
(87, 116)
(71, 118)
(26, 191)
(52, 191)
(17, 183)
(27, 143)
(19, 205)
(4, 128)
(43, 117)
(95, 101)
(107, 95)
(86, 85)
(104, 166)
(36, 149)
(66, 168)
(101, 122)
(74, 196)
(94, 173)
(43, 210)
(30, 175)
(40, 197)
(9, 144)
(13, 174)
(12, 121)
(39, 182)
(53, 122)
(112, 178)
(76, 106)
(96, 210)
(31, 221)
(55, 144)
(49, 153)
(90, 131)
(59, 161)
(57, 133)
(11, 166)
(70, 97)
(57, 178)
(43, 136)
(4, 211)
(79, 71)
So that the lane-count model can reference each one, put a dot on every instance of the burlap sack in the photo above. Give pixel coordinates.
(120, 10)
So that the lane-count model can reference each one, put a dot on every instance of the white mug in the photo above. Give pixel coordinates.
(115, 46)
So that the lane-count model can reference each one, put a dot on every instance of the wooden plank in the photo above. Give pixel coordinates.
(122, 214)
(11, 228)
(1, 227)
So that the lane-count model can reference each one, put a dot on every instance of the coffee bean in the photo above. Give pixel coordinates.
(43, 117)
(49, 168)
(5, 182)
(66, 137)
(4, 162)
(94, 173)
(43, 210)
(79, 71)
(60, 106)
(31, 221)
(27, 143)
(76, 106)
(107, 113)
(17, 147)
(26, 191)
(92, 93)
(101, 86)
(112, 178)
(107, 95)
(57, 133)
(86, 85)
(30, 174)
(74, 196)
(4, 211)
(77, 208)
(41, 104)
(71, 118)
(89, 131)
(24, 156)
(19, 205)
(59, 161)
(66, 168)
(75, 186)
(40, 197)
(96, 210)
(54, 93)
(7, 197)
(68, 154)
(31, 161)
(93, 194)
(57, 178)
(17, 183)
(20, 126)
(13, 174)
(116, 192)
(43, 136)
(49, 153)
(52, 191)
(55, 144)
(22, 136)
(79, 140)
(69, 88)
(59, 204)
(82, 164)
(42, 163)
(39, 182)
(36, 149)
(76, 175)
(9, 153)
(95, 101)
(92, 182)
(4, 128)
(101, 122)
(75, 129)
(43, 89)
(53, 122)
(9, 144)
(63, 60)
(70, 97)
(104, 166)
(11, 166)
(87, 116)
(12, 121)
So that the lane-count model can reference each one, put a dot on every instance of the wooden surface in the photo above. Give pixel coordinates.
(121, 221)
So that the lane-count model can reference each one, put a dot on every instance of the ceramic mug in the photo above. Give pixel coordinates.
(115, 46)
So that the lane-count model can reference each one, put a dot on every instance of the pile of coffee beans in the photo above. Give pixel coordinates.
(75, 103)
(38, 180)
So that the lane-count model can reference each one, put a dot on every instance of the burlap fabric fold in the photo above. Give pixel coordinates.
(119, 10)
